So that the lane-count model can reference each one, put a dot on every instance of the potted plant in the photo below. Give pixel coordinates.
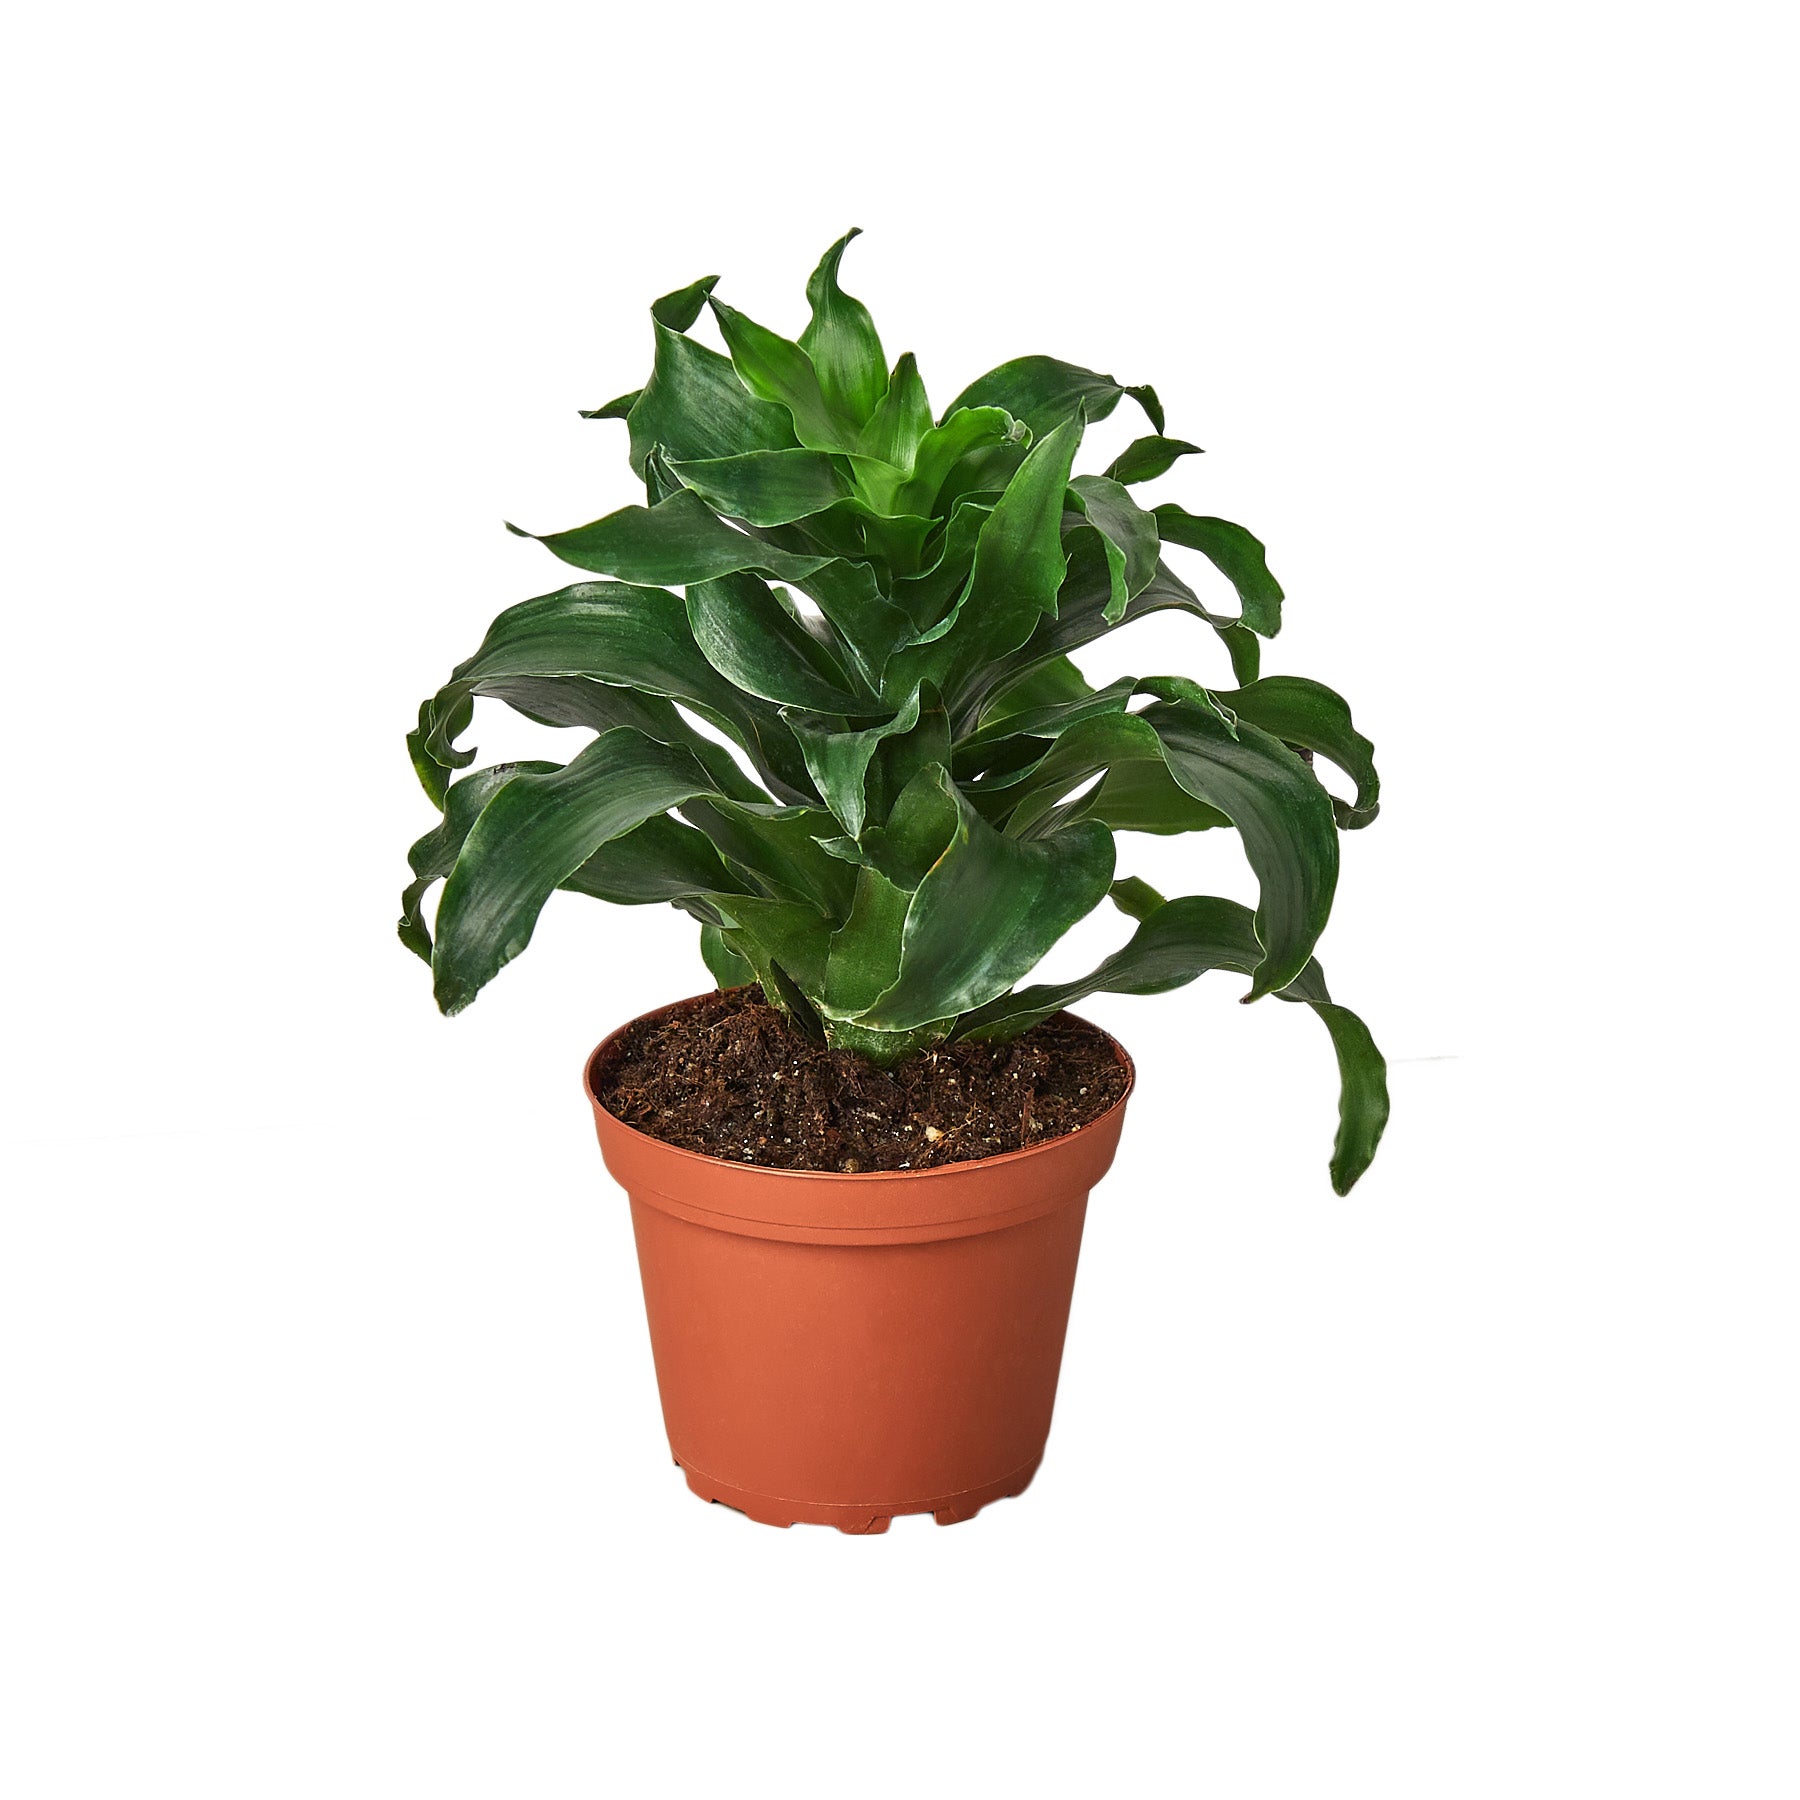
(836, 722)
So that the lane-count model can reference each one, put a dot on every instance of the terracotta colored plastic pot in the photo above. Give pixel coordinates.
(836, 1349)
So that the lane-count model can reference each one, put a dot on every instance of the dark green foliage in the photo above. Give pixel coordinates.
(875, 607)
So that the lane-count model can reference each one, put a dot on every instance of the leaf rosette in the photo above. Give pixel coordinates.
(828, 669)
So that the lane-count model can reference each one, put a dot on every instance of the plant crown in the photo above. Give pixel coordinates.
(876, 607)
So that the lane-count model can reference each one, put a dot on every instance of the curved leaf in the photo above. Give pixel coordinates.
(661, 859)
(1182, 939)
(723, 963)
(680, 309)
(1244, 648)
(1140, 794)
(1017, 569)
(580, 702)
(1283, 816)
(677, 541)
(839, 758)
(778, 847)
(1158, 764)
(1049, 719)
(928, 596)
(986, 912)
(779, 371)
(1080, 618)
(616, 409)
(1128, 534)
(605, 635)
(1236, 555)
(869, 623)
(843, 343)
(1096, 739)
(760, 647)
(918, 830)
(903, 417)
(694, 407)
(902, 757)
(613, 634)
(864, 958)
(1149, 457)
(766, 487)
(1309, 714)
(1046, 393)
(944, 446)
(435, 854)
(780, 938)
(1051, 683)
(534, 833)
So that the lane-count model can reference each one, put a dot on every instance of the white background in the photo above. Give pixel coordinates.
(332, 1458)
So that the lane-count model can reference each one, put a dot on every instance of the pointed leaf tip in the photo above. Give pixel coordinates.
(679, 310)
(842, 342)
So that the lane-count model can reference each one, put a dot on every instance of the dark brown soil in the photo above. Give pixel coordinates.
(729, 1077)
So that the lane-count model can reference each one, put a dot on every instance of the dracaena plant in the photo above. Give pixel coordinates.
(875, 605)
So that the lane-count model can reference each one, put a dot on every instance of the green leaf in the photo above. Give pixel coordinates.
(1283, 816)
(900, 758)
(564, 659)
(1046, 393)
(1053, 683)
(919, 828)
(944, 446)
(896, 426)
(661, 860)
(766, 487)
(431, 743)
(695, 408)
(843, 343)
(679, 310)
(620, 636)
(1363, 1103)
(616, 409)
(864, 960)
(1310, 715)
(1017, 570)
(677, 541)
(435, 854)
(1127, 531)
(1134, 897)
(1050, 719)
(1149, 457)
(1024, 895)
(760, 647)
(838, 758)
(854, 529)
(1236, 555)
(869, 623)
(1162, 761)
(927, 597)
(578, 701)
(783, 940)
(779, 370)
(778, 848)
(1080, 619)
(532, 835)
(785, 995)
(1245, 650)
(1183, 939)
(1143, 793)
(725, 965)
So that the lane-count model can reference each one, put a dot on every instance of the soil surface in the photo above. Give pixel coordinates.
(729, 1077)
